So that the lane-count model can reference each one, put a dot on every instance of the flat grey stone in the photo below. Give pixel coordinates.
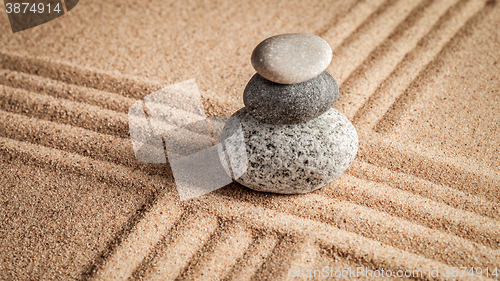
(289, 159)
(291, 58)
(276, 103)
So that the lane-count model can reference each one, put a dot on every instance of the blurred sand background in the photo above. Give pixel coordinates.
(419, 80)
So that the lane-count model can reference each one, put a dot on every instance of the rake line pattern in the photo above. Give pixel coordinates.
(237, 234)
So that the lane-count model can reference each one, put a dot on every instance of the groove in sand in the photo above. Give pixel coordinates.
(67, 112)
(385, 228)
(146, 233)
(73, 163)
(353, 51)
(58, 89)
(361, 249)
(220, 254)
(458, 173)
(127, 86)
(436, 192)
(347, 24)
(254, 257)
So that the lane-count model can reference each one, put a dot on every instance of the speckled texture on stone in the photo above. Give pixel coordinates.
(275, 103)
(291, 58)
(296, 158)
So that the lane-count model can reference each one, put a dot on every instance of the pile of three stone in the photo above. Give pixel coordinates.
(295, 141)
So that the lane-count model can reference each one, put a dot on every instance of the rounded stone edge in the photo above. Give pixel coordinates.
(270, 75)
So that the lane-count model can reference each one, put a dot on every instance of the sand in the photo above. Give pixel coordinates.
(418, 79)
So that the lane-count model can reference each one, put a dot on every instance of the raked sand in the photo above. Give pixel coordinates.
(419, 80)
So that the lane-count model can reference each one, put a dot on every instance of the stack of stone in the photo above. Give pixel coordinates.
(295, 141)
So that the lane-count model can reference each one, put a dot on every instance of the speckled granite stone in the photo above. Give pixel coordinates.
(290, 159)
(276, 103)
(291, 58)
